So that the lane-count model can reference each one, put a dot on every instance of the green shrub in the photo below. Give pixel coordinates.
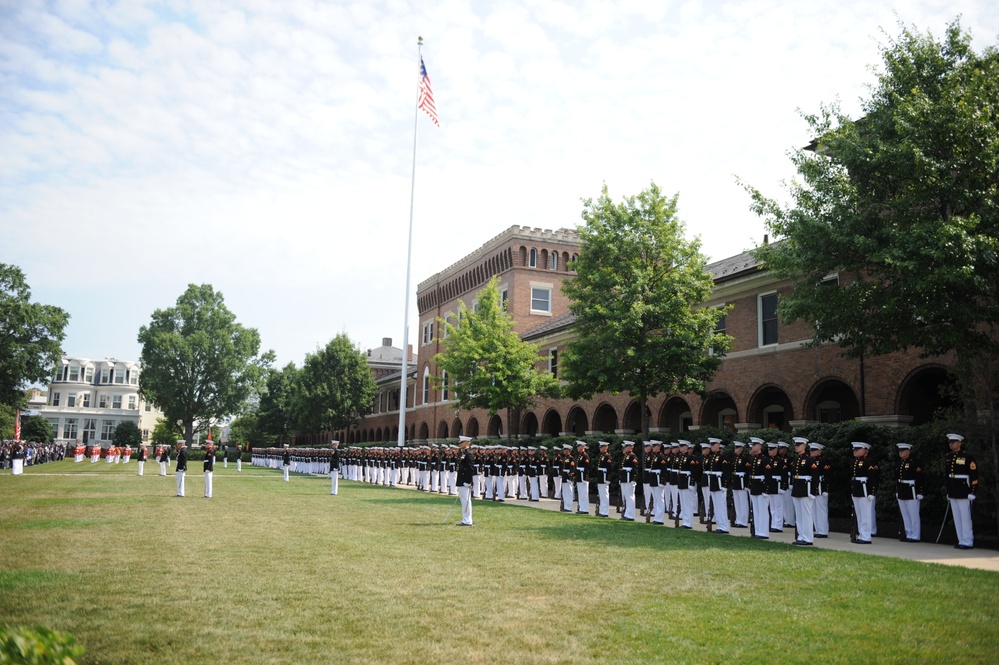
(37, 646)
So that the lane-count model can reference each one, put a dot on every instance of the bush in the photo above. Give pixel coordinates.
(37, 646)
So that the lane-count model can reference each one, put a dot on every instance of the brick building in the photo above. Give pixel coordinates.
(770, 377)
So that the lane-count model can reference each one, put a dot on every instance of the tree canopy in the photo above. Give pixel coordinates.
(277, 411)
(127, 434)
(198, 364)
(334, 386)
(902, 204)
(638, 300)
(31, 336)
(484, 363)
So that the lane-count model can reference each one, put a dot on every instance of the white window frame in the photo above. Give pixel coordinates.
(759, 319)
(542, 287)
(116, 401)
(532, 258)
(426, 384)
(553, 361)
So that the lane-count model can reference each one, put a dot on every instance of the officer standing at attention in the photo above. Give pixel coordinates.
(741, 467)
(465, 474)
(181, 466)
(626, 476)
(909, 491)
(582, 463)
(164, 460)
(804, 470)
(286, 461)
(717, 470)
(864, 486)
(143, 452)
(961, 473)
(758, 489)
(334, 467)
(209, 469)
(604, 465)
(820, 489)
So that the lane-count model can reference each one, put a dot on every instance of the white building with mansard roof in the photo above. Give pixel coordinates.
(87, 399)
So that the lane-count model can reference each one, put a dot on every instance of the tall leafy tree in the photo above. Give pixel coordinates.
(903, 203)
(485, 363)
(637, 298)
(36, 428)
(165, 433)
(31, 336)
(127, 434)
(198, 364)
(334, 387)
(276, 414)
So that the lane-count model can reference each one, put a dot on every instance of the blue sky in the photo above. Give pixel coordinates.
(266, 147)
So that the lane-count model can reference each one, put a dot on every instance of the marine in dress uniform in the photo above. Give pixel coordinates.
(783, 452)
(864, 486)
(659, 474)
(604, 466)
(141, 457)
(704, 497)
(334, 467)
(776, 473)
(464, 475)
(647, 477)
(531, 467)
(717, 470)
(209, 469)
(627, 474)
(181, 466)
(568, 473)
(758, 489)
(961, 474)
(909, 492)
(738, 483)
(582, 466)
(804, 470)
(690, 475)
(286, 461)
(820, 489)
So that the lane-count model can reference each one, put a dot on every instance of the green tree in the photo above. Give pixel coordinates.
(484, 362)
(31, 336)
(637, 298)
(276, 414)
(126, 434)
(36, 428)
(165, 433)
(198, 363)
(334, 386)
(903, 204)
(246, 429)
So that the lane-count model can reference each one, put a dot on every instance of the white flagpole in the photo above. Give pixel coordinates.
(404, 382)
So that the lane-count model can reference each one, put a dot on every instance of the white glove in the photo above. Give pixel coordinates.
(919, 497)
(825, 494)
(971, 497)
(870, 497)
(780, 491)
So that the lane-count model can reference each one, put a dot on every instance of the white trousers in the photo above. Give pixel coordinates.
(688, 502)
(603, 492)
(658, 504)
(719, 509)
(543, 486)
(910, 517)
(863, 508)
(180, 482)
(498, 482)
(558, 487)
(535, 490)
(740, 499)
(162, 468)
(583, 496)
(776, 511)
(674, 498)
(789, 510)
(962, 521)
(334, 481)
(141, 464)
(208, 484)
(286, 470)
(628, 496)
(465, 497)
(566, 496)
(239, 464)
(804, 508)
(17, 468)
(820, 515)
(761, 514)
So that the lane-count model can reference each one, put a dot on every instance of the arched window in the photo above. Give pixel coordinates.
(426, 385)
(533, 263)
(444, 386)
(553, 261)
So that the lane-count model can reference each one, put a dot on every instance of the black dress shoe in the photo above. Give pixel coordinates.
(963, 547)
(912, 540)
(761, 537)
(801, 542)
(660, 523)
(628, 519)
(822, 535)
(776, 530)
(862, 542)
(684, 526)
(741, 526)
(720, 531)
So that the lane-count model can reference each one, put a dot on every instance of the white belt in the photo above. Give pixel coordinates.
(861, 479)
(908, 482)
(657, 471)
(626, 468)
(580, 468)
(961, 477)
(686, 473)
(740, 473)
(759, 477)
(808, 478)
(713, 473)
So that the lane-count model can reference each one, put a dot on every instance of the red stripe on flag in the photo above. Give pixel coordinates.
(426, 99)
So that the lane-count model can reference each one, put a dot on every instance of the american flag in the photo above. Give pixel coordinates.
(426, 100)
(17, 425)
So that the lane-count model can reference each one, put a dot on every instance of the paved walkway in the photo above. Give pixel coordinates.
(926, 552)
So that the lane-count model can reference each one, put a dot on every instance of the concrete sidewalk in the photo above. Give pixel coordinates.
(927, 552)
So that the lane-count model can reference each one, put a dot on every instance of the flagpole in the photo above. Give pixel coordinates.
(404, 383)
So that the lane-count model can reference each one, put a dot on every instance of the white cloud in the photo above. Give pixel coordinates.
(266, 148)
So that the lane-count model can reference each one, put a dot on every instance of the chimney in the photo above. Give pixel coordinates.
(386, 341)
(409, 350)
(766, 239)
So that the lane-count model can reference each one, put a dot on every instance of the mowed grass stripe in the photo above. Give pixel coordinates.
(276, 572)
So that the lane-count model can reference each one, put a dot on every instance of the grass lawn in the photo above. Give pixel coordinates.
(274, 572)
